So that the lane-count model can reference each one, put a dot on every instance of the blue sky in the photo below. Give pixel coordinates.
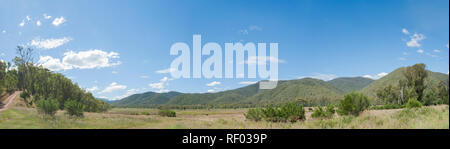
(116, 48)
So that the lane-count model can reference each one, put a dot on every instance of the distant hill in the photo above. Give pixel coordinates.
(393, 78)
(307, 88)
(144, 99)
(314, 90)
(225, 97)
(348, 84)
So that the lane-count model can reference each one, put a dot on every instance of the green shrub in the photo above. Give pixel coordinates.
(290, 111)
(167, 113)
(327, 112)
(254, 114)
(145, 113)
(2, 90)
(353, 104)
(74, 108)
(413, 103)
(47, 107)
(318, 112)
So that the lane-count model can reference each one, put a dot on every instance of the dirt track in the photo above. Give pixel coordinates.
(9, 101)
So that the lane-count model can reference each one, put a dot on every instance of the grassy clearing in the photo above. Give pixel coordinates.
(435, 117)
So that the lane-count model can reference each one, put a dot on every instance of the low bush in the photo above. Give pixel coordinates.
(254, 114)
(145, 113)
(353, 104)
(167, 113)
(47, 107)
(74, 108)
(288, 112)
(327, 112)
(413, 103)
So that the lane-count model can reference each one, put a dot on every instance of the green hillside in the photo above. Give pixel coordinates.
(349, 84)
(393, 78)
(226, 97)
(314, 90)
(308, 88)
(145, 99)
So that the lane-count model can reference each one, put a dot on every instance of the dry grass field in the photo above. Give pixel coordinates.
(434, 117)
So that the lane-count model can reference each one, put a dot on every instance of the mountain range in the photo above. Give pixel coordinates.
(313, 90)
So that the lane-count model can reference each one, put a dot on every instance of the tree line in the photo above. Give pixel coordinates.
(38, 83)
(415, 87)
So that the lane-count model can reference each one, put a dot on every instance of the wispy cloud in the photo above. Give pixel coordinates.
(405, 31)
(46, 16)
(49, 43)
(164, 71)
(214, 83)
(161, 85)
(377, 76)
(420, 51)
(58, 21)
(325, 77)
(113, 87)
(415, 40)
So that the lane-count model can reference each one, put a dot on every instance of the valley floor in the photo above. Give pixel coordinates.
(434, 117)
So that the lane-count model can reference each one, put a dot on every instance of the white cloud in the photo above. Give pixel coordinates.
(46, 16)
(113, 87)
(415, 39)
(28, 18)
(405, 31)
(164, 71)
(114, 72)
(3, 31)
(325, 77)
(214, 83)
(22, 23)
(446, 45)
(402, 58)
(52, 64)
(82, 60)
(420, 51)
(436, 50)
(161, 86)
(128, 93)
(211, 90)
(49, 43)
(262, 60)
(248, 82)
(38, 23)
(164, 79)
(90, 59)
(92, 89)
(376, 77)
(58, 21)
